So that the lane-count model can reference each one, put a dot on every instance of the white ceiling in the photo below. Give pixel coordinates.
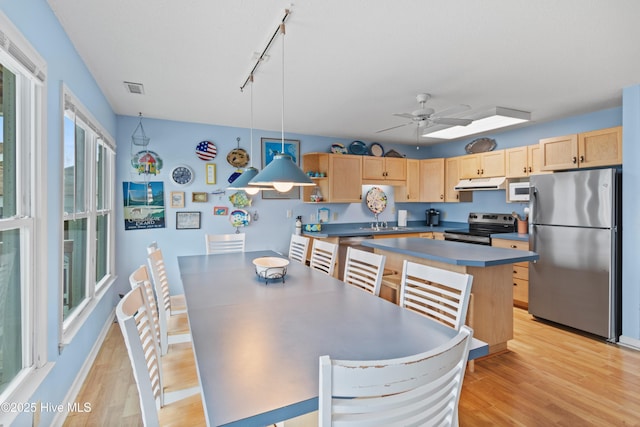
(349, 65)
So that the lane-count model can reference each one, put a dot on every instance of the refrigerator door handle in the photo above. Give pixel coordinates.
(533, 192)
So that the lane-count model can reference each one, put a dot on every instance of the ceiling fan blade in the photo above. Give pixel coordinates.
(405, 115)
(393, 127)
(452, 111)
(451, 121)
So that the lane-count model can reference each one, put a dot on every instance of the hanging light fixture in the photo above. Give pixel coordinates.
(242, 182)
(282, 173)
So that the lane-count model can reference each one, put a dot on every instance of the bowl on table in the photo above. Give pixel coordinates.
(271, 267)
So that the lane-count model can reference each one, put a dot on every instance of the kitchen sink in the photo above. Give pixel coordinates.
(385, 228)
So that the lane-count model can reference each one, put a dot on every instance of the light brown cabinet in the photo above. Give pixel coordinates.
(520, 272)
(597, 148)
(432, 179)
(482, 165)
(521, 162)
(411, 191)
(433, 235)
(391, 170)
(451, 179)
(343, 177)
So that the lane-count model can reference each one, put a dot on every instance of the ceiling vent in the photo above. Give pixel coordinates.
(135, 88)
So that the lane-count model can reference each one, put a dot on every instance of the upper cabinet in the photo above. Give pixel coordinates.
(411, 191)
(451, 179)
(482, 165)
(432, 180)
(589, 149)
(520, 162)
(342, 182)
(390, 170)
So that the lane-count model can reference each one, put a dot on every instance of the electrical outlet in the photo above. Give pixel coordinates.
(289, 213)
(393, 209)
(312, 218)
(335, 216)
(443, 215)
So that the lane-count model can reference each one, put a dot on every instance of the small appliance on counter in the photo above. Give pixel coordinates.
(433, 217)
(402, 218)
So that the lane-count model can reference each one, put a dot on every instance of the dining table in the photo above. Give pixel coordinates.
(257, 343)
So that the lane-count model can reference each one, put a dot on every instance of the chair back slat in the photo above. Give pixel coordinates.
(323, 256)
(140, 277)
(440, 294)
(364, 270)
(161, 285)
(137, 329)
(224, 243)
(422, 389)
(298, 247)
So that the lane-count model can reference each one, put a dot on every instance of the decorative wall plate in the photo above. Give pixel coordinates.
(358, 147)
(147, 162)
(238, 158)
(376, 149)
(206, 150)
(480, 145)
(239, 218)
(376, 200)
(239, 199)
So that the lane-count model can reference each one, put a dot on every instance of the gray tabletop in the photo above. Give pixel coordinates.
(456, 253)
(257, 346)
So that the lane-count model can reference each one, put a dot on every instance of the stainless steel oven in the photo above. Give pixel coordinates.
(480, 228)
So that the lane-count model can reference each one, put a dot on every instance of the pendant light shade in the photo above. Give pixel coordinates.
(282, 174)
(242, 182)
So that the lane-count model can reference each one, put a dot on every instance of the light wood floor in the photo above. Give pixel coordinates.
(549, 376)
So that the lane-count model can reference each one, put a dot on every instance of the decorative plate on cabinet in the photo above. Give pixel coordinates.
(480, 145)
(376, 149)
(358, 147)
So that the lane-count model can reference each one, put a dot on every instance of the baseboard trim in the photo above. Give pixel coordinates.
(61, 416)
(629, 342)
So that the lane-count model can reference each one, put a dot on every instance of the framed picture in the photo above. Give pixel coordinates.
(198, 197)
(210, 173)
(272, 146)
(187, 220)
(177, 199)
(220, 210)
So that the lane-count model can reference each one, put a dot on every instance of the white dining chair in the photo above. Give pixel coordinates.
(364, 270)
(323, 256)
(422, 389)
(224, 243)
(298, 248)
(172, 332)
(158, 406)
(153, 246)
(433, 292)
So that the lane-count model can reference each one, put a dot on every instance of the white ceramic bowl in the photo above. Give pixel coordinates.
(271, 266)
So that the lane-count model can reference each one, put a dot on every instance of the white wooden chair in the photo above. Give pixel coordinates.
(158, 269)
(172, 321)
(433, 292)
(422, 389)
(157, 408)
(153, 246)
(364, 270)
(224, 243)
(164, 331)
(323, 256)
(298, 248)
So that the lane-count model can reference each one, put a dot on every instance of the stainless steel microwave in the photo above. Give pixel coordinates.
(519, 191)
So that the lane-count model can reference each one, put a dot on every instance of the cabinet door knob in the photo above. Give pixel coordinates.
(478, 172)
(529, 169)
(581, 159)
(441, 196)
(524, 169)
(573, 160)
(481, 171)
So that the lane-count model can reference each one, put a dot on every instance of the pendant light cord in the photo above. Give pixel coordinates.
(251, 122)
(282, 30)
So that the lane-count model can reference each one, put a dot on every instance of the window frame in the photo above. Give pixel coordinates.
(18, 56)
(94, 289)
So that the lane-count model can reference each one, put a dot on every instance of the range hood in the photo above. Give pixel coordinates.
(475, 184)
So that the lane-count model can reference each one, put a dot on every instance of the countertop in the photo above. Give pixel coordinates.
(511, 236)
(364, 229)
(455, 253)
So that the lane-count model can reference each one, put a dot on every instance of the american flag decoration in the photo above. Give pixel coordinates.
(206, 150)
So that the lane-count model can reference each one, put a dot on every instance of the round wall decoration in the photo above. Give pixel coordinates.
(182, 175)
(376, 200)
(146, 162)
(206, 150)
(238, 158)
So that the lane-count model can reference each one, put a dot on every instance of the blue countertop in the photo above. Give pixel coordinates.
(364, 229)
(455, 253)
(511, 236)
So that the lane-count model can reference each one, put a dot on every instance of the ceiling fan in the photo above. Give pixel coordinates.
(426, 117)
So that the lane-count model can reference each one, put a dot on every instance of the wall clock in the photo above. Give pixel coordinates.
(182, 175)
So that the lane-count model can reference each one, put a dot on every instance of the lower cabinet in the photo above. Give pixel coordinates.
(520, 272)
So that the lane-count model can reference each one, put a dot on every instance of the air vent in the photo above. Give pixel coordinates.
(135, 88)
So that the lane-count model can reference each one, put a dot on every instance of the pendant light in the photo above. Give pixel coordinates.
(242, 182)
(282, 173)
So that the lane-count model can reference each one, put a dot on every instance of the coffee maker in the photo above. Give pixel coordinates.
(433, 217)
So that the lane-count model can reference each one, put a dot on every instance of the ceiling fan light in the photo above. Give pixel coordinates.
(495, 118)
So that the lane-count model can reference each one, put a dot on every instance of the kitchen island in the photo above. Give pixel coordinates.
(491, 312)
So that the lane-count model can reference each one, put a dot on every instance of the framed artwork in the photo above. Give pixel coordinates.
(187, 220)
(210, 173)
(177, 199)
(143, 205)
(272, 146)
(198, 197)
(220, 210)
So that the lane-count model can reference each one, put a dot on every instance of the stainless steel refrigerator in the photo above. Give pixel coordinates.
(575, 228)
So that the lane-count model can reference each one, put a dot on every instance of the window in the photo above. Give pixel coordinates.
(22, 146)
(88, 157)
